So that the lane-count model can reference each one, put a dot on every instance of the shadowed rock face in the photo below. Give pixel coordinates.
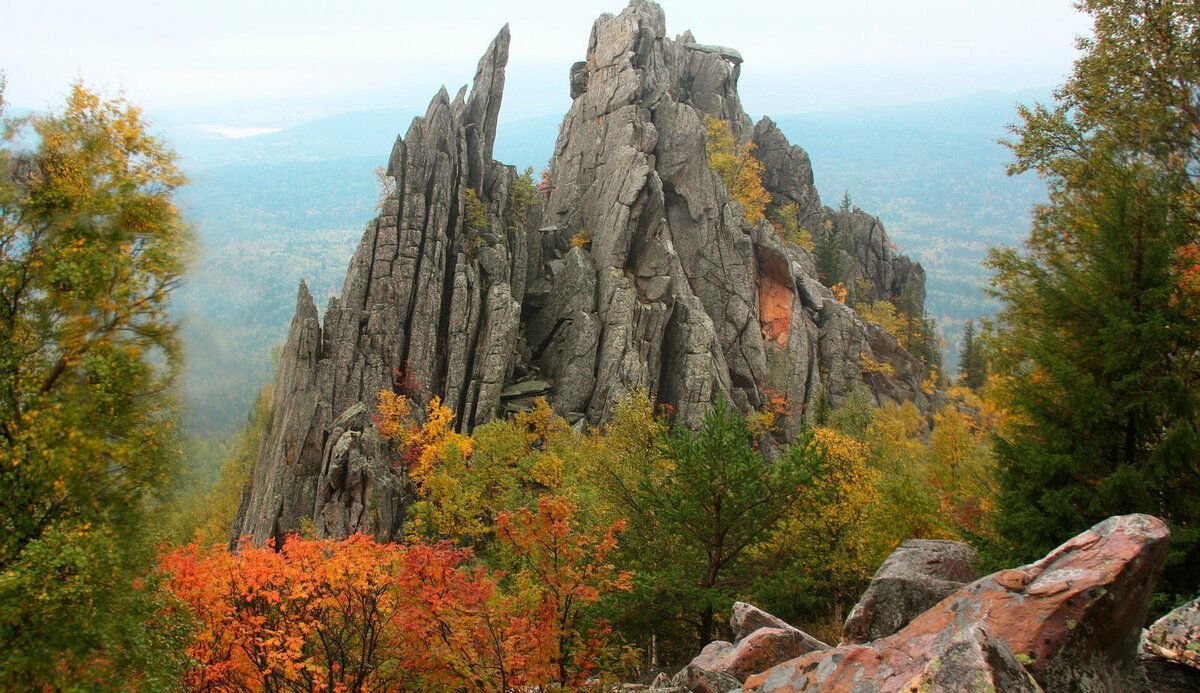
(917, 575)
(1071, 621)
(676, 293)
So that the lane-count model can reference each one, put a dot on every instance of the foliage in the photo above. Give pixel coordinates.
(464, 482)
(873, 366)
(882, 313)
(361, 615)
(788, 226)
(205, 512)
(545, 183)
(887, 477)
(828, 254)
(560, 572)
(522, 197)
(387, 187)
(91, 246)
(1098, 338)
(581, 239)
(475, 216)
(422, 445)
(917, 332)
(972, 359)
(822, 546)
(695, 512)
(739, 170)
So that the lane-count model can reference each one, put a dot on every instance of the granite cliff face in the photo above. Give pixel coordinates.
(675, 293)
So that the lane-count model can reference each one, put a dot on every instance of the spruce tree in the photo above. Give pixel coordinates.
(1099, 331)
(972, 362)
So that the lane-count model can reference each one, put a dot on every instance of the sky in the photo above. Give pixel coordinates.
(257, 64)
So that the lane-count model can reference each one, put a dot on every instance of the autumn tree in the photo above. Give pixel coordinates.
(823, 549)
(738, 168)
(1098, 335)
(560, 571)
(91, 246)
(357, 614)
(789, 226)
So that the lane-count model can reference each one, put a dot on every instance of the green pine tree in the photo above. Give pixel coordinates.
(1097, 335)
(972, 361)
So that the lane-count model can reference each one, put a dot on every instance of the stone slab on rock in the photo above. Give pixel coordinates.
(1176, 636)
(766, 647)
(1071, 620)
(761, 641)
(747, 618)
(698, 680)
(713, 656)
(917, 575)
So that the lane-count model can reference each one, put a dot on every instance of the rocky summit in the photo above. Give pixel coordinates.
(632, 269)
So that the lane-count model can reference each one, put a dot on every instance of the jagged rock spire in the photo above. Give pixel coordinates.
(642, 274)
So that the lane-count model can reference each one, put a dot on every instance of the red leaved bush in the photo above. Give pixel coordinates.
(357, 615)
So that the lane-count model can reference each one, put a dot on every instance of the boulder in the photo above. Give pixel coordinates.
(747, 618)
(714, 656)
(1071, 621)
(762, 641)
(766, 647)
(698, 680)
(917, 575)
(1176, 636)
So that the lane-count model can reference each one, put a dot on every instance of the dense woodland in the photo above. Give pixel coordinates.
(540, 554)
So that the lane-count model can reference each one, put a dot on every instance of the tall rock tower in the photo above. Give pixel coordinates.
(637, 272)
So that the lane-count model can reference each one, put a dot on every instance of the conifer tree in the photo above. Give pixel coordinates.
(1099, 334)
(972, 362)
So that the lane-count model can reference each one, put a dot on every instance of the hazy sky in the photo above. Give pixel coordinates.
(801, 55)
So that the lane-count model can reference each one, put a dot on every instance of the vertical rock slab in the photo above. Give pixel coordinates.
(427, 309)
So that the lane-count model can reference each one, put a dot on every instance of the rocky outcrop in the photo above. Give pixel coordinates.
(918, 574)
(1166, 676)
(1070, 621)
(643, 273)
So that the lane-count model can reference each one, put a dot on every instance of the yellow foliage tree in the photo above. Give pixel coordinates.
(826, 546)
(882, 313)
(738, 168)
(422, 446)
(789, 227)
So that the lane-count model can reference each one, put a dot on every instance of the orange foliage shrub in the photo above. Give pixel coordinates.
(358, 615)
(421, 445)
